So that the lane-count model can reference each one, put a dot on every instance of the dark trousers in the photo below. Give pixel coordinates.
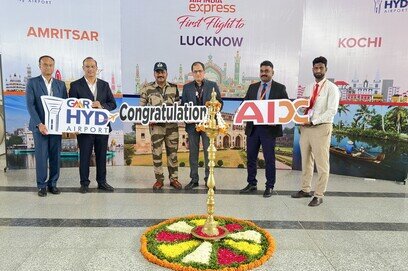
(47, 150)
(87, 143)
(259, 137)
(194, 148)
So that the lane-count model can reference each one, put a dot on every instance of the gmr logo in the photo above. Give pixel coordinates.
(390, 6)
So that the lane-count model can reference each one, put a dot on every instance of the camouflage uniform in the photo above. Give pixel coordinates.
(152, 94)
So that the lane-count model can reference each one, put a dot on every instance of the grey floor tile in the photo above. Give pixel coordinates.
(396, 259)
(294, 259)
(92, 238)
(383, 241)
(12, 257)
(357, 260)
(119, 259)
(293, 239)
(66, 259)
(25, 237)
(337, 240)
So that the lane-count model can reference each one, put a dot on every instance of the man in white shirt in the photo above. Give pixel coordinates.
(47, 147)
(98, 91)
(315, 135)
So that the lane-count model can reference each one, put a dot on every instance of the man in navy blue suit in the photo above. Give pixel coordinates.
(198, 92)
(263, 135)
(47, 147)
(97, 90)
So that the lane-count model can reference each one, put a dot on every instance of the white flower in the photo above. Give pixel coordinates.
(249, 235)
(180, 226)
(201, 255)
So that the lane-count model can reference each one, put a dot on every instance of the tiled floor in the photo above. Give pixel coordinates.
(362, 225)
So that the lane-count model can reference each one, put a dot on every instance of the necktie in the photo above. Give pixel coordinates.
(313, 99)
(263, 91)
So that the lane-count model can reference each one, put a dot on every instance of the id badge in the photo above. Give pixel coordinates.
(310, 113)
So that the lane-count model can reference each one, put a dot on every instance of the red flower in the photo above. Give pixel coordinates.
(166, 236)
(227, 257)
(199, 232)
(233, 227)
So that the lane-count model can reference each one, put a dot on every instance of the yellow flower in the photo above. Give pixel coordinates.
(198, 222)
(173, 251)
(251, 249)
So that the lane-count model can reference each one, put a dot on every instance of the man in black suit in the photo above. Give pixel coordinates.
(47, 147)
(198, 92)
(263, 135)
(97, 90)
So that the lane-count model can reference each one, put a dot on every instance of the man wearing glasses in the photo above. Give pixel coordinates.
(198, 92)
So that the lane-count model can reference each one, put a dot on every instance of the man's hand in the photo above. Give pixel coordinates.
(307, 124)
(96, 104)
(43, 129)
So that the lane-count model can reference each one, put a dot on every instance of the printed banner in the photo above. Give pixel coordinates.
(69, 31)
(176, 113)
(231, 38)
(75, 116)
(368, 63)
(267, 112)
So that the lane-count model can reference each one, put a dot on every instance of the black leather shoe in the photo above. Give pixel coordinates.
(301, 194)
(54, 190)
(267, 193)
(42, 192)
(191, 185)
(248, 189)
(315, 202)
(105, 186)
(84, 189)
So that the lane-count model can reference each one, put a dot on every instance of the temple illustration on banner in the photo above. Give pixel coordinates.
(357, 90)
(231, 87)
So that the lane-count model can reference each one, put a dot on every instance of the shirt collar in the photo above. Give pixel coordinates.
(202, 83)
(89, 83)
(45, 80)
(157, 85)
(321, 82)
(268, 83)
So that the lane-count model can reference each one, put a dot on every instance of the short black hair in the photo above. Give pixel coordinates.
(320, 59)
(198, 63)
(266, 63)
(89, 58)
(44, 56)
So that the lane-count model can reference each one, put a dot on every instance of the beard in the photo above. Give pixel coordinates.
(318, 75)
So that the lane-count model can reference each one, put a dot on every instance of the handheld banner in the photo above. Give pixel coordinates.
(270, 112)
(175, 113)
(75, 116)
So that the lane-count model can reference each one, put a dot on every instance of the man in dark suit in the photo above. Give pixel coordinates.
(97, 90)
(47, 147)
(198, 92)
(263, 135)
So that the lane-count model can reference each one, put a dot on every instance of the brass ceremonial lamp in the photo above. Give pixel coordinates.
(212, 126)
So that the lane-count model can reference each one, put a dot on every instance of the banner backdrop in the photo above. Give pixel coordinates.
(366, 53)
(2, 120)
(368, 62)
(231, 37)
(69, 32)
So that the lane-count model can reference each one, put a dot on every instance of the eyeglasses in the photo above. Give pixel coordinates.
(198, 71)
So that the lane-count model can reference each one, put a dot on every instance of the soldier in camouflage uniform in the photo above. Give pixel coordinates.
(155, 94)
